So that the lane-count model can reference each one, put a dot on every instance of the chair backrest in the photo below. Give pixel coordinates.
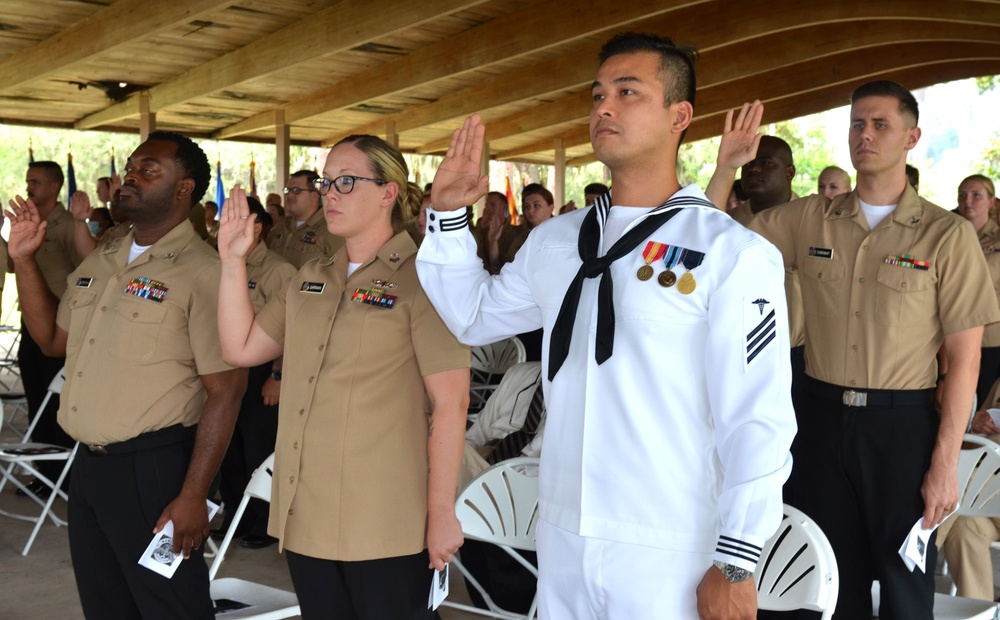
(259, 487)
(500, 506)
(496, 358)
(55, 387)
(797, 568)
(979, 477)
(260, 482)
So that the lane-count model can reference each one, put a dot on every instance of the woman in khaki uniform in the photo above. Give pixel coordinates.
(975, 203)
(363, 493)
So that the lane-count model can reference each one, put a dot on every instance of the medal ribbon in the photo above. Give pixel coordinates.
(692, 259)
(654, 251)
(673, 255)
(907, 260)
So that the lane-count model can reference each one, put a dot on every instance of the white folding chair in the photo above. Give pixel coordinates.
(25, 455)
(979, 485)
(263, 602)
(500, 506)
(491, 360)
(797, 568)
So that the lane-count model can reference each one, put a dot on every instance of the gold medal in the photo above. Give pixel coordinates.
(645, 272)
(687, 284)
(667, 278)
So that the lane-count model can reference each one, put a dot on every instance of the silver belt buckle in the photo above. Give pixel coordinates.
(855, 399)
(98, 450)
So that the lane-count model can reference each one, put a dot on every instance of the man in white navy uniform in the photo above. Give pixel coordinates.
(665, 359)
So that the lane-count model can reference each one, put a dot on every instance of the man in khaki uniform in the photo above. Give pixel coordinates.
(56, 258)
(887, 279)
(302, 234)
(141, 312)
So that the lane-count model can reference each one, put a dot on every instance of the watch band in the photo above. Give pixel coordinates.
(733, 574)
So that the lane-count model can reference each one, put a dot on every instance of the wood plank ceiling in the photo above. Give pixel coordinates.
(231, 69)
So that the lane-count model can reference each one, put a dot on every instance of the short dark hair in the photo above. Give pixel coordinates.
(191, 159)
(887, 88)
(676, 63)
(595, 188)
(499, 195)
(912, 175)
(263, 217)
(310, 176)
(537, 188)
(51, 168)
(782, 148)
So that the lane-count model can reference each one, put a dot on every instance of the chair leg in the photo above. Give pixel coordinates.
(47, 509)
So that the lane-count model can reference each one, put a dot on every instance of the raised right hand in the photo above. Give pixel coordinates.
(458, 181)
(27, 230)
(236, 226)
(79, 206)
(739, 142)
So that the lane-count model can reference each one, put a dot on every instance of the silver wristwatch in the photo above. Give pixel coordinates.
(733, 574)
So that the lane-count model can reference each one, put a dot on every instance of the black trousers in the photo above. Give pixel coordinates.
(253, 441)
(37, 372)
(114, 502)
(989, 371)
(381, 589)
(857, 471)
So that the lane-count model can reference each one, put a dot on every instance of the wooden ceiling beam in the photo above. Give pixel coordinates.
(775, 71)
(124, 22)
(540, 26)
(756, 18)
(571, 138)
(782, 108)
(344, 25)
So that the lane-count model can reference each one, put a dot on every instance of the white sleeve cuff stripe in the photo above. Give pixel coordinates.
(738, 549)
(453, 223)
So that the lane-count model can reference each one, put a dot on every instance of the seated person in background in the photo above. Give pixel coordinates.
(536, 204)
(496, 238)
(966, 540)
(510, 425)
(497, 432)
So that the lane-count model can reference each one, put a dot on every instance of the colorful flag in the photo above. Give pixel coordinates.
(70, 178)
(253, 177)
(220, 191)
(511, 205)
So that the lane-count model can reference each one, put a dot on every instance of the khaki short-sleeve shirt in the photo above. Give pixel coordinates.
(989, 240)
(300, 244)
(267, 275)
(140, 337)
(878, 303)
(57, 257)
(350, 478)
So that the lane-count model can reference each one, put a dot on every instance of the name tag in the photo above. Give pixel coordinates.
(84, 282)
(821, 252)
(315, 288)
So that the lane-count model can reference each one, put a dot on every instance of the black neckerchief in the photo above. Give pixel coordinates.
(594, 266)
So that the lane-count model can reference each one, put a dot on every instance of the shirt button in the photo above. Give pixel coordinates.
(290, 512)
(295, 445)
(291, 480)
(311, 379)
(104, 308)
(858, 314)
(430, 228)
(853, 382)
(135, 315)
(819, 275)
(91, 341)
(322, 346)
(73, 407)
(79, 373)
(864, 247)
(302, 411)
(855, 347)
(902, 285)
(861, 280)
(431, 217)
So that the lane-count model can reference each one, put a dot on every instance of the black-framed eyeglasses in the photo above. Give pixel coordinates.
(344, 184)
(298, 190)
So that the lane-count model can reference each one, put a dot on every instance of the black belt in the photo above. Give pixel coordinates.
(147, 441)
(882, 399)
